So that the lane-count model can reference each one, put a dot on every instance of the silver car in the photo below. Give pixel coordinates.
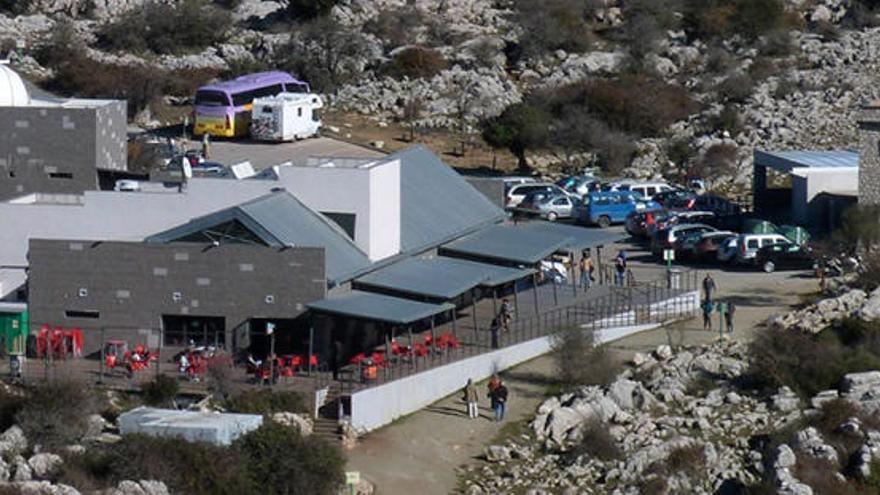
(555, 207)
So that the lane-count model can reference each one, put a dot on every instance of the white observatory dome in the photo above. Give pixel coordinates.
(12, 90)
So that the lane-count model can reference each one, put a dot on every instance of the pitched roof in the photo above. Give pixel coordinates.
(279, 219)
(379, 307)
(510, 243)
(785, 161)
(437, 203)
(439, 277)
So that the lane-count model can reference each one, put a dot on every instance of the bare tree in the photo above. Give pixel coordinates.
(412, 112)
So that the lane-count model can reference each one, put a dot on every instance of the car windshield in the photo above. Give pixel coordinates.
(211, 99)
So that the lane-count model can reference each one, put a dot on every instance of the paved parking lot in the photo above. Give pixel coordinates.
(264, 155)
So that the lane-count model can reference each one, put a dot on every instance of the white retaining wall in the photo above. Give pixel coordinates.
(377, 406)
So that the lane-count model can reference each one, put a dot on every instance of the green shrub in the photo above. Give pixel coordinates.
(689, 459)
(579, 362)
(736, 88)
(309, 9)
(722, 18)
(812, 363)
(159, 27)
(266, 402)
(161, 391)
(416, 62)
(186, 467)
(520, 128)
(284, 462)
(397, 27)
(595, 442)
(56, 413)
(552, 25)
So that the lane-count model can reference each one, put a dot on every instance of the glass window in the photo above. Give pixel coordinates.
(242, 99)
(211, 99)
(561, 202)
(651, 191)
(752, 244)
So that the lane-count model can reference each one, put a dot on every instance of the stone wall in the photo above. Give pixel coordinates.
(869, 157)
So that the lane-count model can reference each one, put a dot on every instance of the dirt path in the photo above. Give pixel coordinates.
(420, 453)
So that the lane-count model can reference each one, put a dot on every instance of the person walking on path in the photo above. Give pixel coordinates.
(506, 313)
(587, 268)
(728, 316)
(708, 287)
(499, 401)
(620, 268)
(470, 396)
(707, 307)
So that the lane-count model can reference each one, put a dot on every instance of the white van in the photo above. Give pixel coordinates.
(749, 244)
(647, 189)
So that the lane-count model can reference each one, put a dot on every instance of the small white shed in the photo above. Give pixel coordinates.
(286, 117)
(195, 426)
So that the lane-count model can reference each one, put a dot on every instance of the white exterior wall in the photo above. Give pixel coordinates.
(384, 222)
(371, 193)
(807, 183)
(378, 406)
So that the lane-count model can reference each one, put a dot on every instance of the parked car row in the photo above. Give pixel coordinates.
(695, 236)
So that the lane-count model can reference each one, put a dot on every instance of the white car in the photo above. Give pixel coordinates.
(127, 185)
(749, 244)
(646, 189)
(519, 192)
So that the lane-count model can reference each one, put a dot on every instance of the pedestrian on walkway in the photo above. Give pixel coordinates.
(206, 146)
(495, 330)
(587, 268)
(707, 307)
(499, 401)
(728, 317)
(708, 287)
(620, 268)
(506, 313)
(494, 383)
(470, 396)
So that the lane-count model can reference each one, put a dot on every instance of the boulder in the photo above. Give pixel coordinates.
(810, 442)
(300, 423)
(663, 352)
(630, 395)
(785, 457)
(785, 400)
(22, 471)
(45, 466)
(13, 441)
(496, 453)
(142, 487)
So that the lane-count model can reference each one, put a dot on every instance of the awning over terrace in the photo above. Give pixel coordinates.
(379, 307)
(440, 277)
(581, 237)
(509, 243)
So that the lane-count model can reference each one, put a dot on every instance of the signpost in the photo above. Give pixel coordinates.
(352, 478)
(270, 331)
(668, 257)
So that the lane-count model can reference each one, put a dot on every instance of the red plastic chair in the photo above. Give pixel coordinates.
(43, 341)
(357, 358)
(313, 361)
(296, 362)
(420, 350)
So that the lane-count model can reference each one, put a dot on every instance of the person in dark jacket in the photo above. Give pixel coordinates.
(728, 316)
(499, 402)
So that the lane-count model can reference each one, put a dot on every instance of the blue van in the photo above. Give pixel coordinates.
(606, 207)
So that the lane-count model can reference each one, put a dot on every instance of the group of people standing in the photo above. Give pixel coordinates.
(588, 267)
(497, 393)
(726, 308)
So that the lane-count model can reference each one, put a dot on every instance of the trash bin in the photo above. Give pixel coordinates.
(673, 278)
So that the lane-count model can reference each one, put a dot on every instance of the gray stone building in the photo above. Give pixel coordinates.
(180, 292)
(869, 145)
(57, 146)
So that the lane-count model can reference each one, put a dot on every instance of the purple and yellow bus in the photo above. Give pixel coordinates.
(224, 109)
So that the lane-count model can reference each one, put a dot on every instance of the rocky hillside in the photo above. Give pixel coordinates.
(702, 83)
(683, 423)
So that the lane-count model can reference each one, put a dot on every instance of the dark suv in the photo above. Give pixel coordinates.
(785, 256)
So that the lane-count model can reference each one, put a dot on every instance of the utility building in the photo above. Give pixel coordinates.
(56, 146)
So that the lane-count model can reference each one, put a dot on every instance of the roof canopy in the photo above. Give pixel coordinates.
(378, 307)
(580, 237)
(511, 243)
(786, 161)
(280, 220)
(437, 204)
(440, 277)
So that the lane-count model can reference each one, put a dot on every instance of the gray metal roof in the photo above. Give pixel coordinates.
(440, 277)
(437, 203)
(581, 237)
(512, 243)
(279, 219)
(785, 161)
(378, 307)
